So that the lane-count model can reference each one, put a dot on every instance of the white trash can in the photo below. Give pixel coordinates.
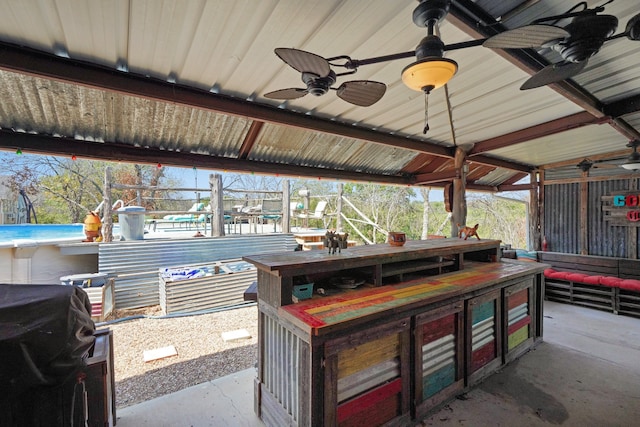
(131, 219)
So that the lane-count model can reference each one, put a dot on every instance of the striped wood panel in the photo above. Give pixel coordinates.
(438, 355)
(368, 354)
(519, 319)
(483, 346)
(376, 407)
(369, 382)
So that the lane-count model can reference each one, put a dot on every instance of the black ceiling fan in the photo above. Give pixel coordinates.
(631, 162)
(586, 164)
(319, 78)
(583, 37)
(318, 75)
(576, 42)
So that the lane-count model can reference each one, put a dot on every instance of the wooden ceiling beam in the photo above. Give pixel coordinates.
(492, 161)
(36, 63)
(250, 140)
(538, 131)
(50, 145)
(430, 178)
(623, 107)
(517, 187)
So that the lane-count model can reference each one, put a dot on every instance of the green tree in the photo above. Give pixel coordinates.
(63, 190)
(389, 207)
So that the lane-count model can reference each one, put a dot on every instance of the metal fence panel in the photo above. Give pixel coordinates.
(135, 264)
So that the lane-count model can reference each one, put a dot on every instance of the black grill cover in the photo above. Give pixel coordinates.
(46, 333)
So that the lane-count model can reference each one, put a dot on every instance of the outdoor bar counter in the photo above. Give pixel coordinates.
(398, 331)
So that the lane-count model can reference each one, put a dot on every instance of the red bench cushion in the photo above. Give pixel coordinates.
(630, 284)
(592, 280)
(576, 277)
(553, 274)
(610, 281)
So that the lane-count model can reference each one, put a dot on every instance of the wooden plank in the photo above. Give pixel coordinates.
(438, 381)
(368, 354)
(438, 328)
(310, 262)
(520, 297)
(373, 408)
(483, 355)
(629, 268)
(518, 337)
(159, 353)
(366, 379)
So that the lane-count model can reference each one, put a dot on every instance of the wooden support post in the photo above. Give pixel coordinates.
(632, 232)
(534, 213)
(459, 208)
(583, 235)
(107, 217)
(286, 201)
(217, 213)
(339, 208)
(543, 233)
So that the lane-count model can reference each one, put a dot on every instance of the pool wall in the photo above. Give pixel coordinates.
(44, 262)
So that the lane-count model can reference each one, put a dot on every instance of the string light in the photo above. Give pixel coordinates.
(159, 165)
(74, 158)
(19, 152)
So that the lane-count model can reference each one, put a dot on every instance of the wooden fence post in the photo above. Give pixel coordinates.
(217, 213)
(107, 217)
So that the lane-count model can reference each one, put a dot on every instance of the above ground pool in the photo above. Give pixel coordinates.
(12, 232)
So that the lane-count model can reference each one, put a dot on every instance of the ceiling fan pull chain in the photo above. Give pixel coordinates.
(426, 113)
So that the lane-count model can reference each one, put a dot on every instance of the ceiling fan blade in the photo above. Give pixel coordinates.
(361, 92)
(554, 73)
(290, 93)
(606, 166)
(305, 62)
(529, 36)
(633, 28)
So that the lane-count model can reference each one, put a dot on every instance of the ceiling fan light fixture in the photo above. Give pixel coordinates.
(429, 73)
(633, 161)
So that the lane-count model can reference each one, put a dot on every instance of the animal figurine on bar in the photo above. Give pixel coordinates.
(334, 240)
(466, 232)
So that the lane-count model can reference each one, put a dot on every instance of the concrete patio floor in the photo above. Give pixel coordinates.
(585, 373)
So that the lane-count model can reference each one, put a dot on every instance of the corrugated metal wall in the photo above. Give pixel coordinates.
(604, 239)
(562, 217)
(135, 263)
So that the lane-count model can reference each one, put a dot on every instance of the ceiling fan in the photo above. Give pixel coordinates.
(576, 42)
(583, 37)
(318, 77)
(632, 162)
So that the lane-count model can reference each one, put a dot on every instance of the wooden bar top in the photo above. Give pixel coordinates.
(290, 263)
(321, 315)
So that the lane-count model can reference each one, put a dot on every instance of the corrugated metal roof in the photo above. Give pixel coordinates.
(225, 51)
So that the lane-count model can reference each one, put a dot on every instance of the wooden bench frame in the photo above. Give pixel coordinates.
(613, 299)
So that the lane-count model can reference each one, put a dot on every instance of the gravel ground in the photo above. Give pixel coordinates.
(202, 353)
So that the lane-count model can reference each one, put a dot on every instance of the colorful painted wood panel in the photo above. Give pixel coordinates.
(321, 312)
(438, 355)
(369, 382)
(374, 408)
(483, 341)
(519, 319)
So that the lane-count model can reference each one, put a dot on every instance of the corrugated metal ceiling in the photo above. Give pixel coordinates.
(224, 51)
